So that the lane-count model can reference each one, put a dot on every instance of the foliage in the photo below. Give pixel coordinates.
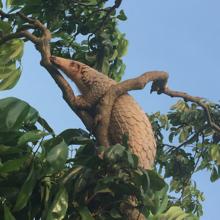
(9, 54)
(83, 30)
(35, 169)
(192, 145)
(40, 178)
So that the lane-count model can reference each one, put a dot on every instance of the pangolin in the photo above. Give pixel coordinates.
(127, 118)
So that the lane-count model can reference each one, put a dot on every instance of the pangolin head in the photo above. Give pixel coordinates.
(82, 75)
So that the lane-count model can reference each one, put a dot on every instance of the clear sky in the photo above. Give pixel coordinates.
(181, 37)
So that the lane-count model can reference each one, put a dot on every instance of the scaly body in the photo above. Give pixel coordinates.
(127, 118)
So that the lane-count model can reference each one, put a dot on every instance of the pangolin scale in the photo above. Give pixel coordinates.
(127, 118)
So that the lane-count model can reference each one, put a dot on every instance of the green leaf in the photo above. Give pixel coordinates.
(11, 51)
(171, 136)
(73, 172)
(132, 160)
(215, 153)
(1, 5)
(183, 135)
(10, 80)
(122, 16)
(163, 198)
(5, 27)
(13, 165)
(114, 55)
(214, 175)
(14, 113)
(156, 182)
(59, 206)
(122, 47)
(85, 214)
(17, 45)
(84, 178)
(141, 179)
(57, 156)
(180, 105)
(115, 152)
(31, 136)
(7, 213)
(176, 213)
(31, 117)
(7, 70)
(26, 190)
(45, 125)
(75, 136)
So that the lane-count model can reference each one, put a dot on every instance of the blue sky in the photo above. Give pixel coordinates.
(181, 37)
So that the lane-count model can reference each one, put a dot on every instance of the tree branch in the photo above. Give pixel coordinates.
(43, 46)
(20, 34)
(105, 106)
(198, 100)
(159, 85)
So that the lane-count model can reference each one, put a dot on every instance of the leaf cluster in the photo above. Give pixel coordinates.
(10, 59)
(38, 179)
(187, 144)
(83, 30)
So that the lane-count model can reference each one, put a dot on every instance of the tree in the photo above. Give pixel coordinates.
(40, 179)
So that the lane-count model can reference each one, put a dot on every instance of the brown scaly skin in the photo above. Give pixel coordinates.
(127, 118)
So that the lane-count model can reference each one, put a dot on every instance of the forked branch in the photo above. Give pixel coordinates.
(198, 100)
(43, 46)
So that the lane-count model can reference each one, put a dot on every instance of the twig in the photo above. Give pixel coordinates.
(26, 27)
(184, 143)
(108, 13)
(199, 101)
(20, 34)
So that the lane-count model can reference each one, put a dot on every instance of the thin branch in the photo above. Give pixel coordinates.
(9, 37)
(199, 101)
(26, 27)
(196, 135)
(86, 5)
(30, 37)
(108, 13)
(20, 34)
(159, 85)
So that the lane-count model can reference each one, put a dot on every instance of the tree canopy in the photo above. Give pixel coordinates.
(41, 178)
